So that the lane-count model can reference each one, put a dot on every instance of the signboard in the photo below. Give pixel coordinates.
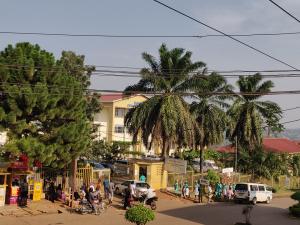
(227, 170)
(2, 195)
(204, 182)
(175, 165)
(37, 191)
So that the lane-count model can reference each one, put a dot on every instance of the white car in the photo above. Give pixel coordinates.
(140, 187)
(253, 192)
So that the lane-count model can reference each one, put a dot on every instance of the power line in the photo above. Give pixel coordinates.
(284, 10)
(291, 121)
(147, 36)
(284, 110)
(221, 32)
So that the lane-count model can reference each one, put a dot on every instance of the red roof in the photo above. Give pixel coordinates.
(111, 97)
(278, 145)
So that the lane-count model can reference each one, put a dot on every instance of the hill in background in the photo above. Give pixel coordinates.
(293, 134)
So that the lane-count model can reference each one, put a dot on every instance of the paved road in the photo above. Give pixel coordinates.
(171, 212)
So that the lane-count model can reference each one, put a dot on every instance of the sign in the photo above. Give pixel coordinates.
(175, 165)
(227, 170)
(2, 195)
(37, 191)
(204, 182)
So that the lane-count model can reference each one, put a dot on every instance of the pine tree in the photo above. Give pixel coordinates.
(43, 106)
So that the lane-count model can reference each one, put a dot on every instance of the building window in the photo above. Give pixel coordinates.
(119, 129)
(120, 112)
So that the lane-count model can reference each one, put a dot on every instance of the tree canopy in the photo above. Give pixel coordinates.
(165, 119)
(43, 105)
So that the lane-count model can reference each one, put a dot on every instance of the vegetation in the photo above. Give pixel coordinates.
(260, 163)
(295, 209)
(165, 119)
(249, 115)
(139, 214)
(213, 177)
(43, 106)
(210, 113)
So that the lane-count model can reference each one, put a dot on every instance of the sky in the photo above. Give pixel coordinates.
(145, 17)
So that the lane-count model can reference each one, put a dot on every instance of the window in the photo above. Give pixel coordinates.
(253, 188)
(142, 185)
(241, 187)
(261, 188)
(119, 129)
(269, 188)
(120, 112)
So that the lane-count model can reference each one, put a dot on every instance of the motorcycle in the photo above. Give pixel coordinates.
(87, 208)
(148, 198)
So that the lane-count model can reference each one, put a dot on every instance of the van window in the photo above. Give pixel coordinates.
(261, 188)
(241, 187)
(253, 188)
(269, 188)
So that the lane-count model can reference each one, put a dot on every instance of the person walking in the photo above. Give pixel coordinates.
(196, 191)
(111, 192)
(106, 187)
(209, 193)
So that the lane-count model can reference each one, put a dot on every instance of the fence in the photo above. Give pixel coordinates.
(86, 175)
(283, 182)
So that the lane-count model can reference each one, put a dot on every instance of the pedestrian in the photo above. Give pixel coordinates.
(111, 192)
(106, 187)
(23, 194)
(196, 190)
(186, 190)
(132, 188)
(176, 186)
(51, 192)
(143, 178)
(209, 193)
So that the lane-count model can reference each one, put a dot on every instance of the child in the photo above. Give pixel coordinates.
(186, 190)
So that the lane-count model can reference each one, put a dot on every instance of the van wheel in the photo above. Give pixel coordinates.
(254, 201)
(268, 200)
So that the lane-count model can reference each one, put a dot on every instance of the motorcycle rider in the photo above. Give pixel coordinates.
(127, 197)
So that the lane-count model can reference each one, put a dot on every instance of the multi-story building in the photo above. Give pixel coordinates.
(111, 118)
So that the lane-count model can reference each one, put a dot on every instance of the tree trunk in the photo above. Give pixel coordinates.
(73, 174)
(201, 160)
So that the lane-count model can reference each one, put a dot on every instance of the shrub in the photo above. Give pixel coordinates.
(295, 209)
(213, 177)
(140, 215)
(296, 196)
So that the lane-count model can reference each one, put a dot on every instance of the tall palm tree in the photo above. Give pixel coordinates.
(165, 118)
(209, 110)
(249, 114)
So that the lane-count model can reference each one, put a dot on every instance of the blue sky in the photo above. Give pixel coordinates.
(145, 17)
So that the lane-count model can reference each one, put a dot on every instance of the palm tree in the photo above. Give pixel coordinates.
(210, 113)
(165, 118)
(249, 115)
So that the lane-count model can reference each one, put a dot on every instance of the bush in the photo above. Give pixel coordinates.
(295, 209)
(213, 177)
(296, 196)
(139, 215)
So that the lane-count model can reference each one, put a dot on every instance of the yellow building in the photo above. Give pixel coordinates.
(111, 118)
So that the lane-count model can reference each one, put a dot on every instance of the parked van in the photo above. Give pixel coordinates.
(253, 192)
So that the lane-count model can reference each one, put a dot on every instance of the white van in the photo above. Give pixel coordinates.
(253, 192)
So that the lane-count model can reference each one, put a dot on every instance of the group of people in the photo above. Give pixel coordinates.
(221, 191)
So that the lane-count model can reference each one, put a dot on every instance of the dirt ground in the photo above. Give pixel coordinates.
(171, 211)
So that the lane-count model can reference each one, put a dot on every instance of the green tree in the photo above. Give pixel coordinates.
(249, 115)
(210, 113)
(165, 118)
(42, 106)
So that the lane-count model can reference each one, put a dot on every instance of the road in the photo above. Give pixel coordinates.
(170, 212)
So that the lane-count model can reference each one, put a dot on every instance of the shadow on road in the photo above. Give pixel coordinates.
(229, 214)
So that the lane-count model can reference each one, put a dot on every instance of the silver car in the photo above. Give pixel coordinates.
(140, 187)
